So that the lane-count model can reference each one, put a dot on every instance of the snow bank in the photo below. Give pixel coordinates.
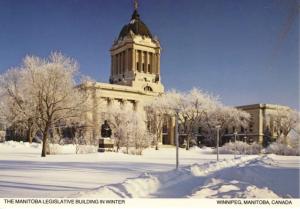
(54, 148)
(116, 175)
(71, 149)
(130, 188)
(281, 149)
(240, 148)
(19, 145)
(207, 168)
(147, 184)
(219, 188)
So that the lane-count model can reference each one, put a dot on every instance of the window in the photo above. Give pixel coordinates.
(251, 127)
(226, 130)
(242, 129)
(148, 88)
(200, 130)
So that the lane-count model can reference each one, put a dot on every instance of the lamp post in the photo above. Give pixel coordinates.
(245, 140)
(218, 136)
(235, 134)
(177, 138)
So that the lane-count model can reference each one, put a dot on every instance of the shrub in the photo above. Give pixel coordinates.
(240, 148)
(282, 149)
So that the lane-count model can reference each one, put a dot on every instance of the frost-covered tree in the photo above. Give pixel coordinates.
(138, 133)
(15, 109)
(47, 92)
(128, 127)
(285, 120)
(155, 114)
(193, 106)
(224, 117)
(196, 109)
(119, 121)
(190, 108)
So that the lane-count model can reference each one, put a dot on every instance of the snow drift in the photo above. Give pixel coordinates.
(148, 184)
(208, 168)
(54, 148)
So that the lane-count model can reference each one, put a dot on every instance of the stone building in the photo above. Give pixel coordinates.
(135, 79)
(134, 74)
(261, 124)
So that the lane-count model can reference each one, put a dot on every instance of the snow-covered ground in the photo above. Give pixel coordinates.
(23, 173)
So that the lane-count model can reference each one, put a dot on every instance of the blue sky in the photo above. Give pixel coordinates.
(245, 51)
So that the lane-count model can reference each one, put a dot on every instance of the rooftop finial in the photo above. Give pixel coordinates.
(136, 4)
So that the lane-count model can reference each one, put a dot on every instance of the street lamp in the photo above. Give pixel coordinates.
(245, 140)
(177, 138)
(218, 136)
(235, 134)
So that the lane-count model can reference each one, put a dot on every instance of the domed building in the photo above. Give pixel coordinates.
(135, 57)
(134, 75)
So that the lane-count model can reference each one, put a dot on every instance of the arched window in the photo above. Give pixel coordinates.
(148, 88)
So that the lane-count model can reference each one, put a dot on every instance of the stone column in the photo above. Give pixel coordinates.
(102, 108)
(122, 62)
(131, 104)
(154, 63)
(260, 126)
(122, 103)
(112, 64)
(133, 60)
(158, 63)
(126, 61)
(113, 72)
(136, 105)
(140, 61)
(117, 64)
(146, 62)
(119, 61)
(150, 62)
(95, 114)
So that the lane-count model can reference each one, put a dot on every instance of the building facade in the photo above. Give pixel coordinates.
(135, 79)
(134, 75)
(261, 127)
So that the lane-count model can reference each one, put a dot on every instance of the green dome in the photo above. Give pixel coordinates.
(135, 25)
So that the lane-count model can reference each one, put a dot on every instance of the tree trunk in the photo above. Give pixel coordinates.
(156, 143)
(29, 135)
(45, 136)
(188, 143)
(44, 146)
(127, 146)
(285, 139)
(118, 146)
